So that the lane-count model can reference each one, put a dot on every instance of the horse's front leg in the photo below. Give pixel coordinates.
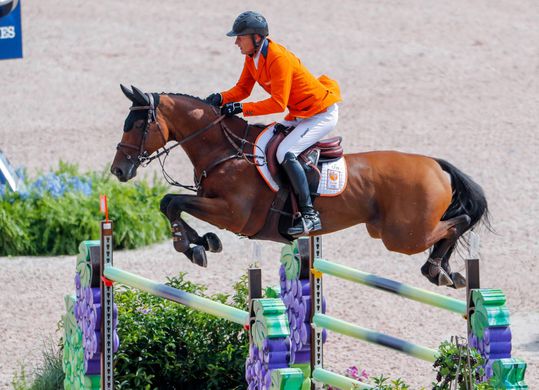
(185, 238)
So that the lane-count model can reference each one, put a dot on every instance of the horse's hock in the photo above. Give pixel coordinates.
(287, 328)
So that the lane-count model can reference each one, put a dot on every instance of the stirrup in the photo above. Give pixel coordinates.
(309, 223)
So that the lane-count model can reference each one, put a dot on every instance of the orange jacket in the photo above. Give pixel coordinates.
(289, 83)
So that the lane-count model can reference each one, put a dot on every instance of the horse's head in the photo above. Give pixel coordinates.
(144, 133)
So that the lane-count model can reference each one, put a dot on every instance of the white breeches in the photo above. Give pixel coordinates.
(308, 131)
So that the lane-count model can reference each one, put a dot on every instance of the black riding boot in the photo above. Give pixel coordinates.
(310, 220)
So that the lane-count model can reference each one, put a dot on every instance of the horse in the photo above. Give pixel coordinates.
(409, 201)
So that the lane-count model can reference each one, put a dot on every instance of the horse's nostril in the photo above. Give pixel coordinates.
(116, 171)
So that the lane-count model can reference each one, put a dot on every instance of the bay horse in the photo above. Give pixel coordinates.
(411, 202)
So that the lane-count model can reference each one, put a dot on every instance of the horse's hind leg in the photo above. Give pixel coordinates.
(437, 269)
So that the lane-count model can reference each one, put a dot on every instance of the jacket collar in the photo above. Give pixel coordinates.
(264, 48)
(262, 58)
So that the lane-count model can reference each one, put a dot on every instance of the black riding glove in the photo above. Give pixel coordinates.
(215, 99)
(231, 109)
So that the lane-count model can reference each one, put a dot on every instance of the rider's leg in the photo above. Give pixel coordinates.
(307, 132)
(310, 220)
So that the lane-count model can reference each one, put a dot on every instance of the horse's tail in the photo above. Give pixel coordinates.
(468, 197)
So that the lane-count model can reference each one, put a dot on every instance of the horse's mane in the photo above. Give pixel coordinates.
(184, 94)
(259, 125)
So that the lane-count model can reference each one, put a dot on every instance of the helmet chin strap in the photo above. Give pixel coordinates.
(255, 45)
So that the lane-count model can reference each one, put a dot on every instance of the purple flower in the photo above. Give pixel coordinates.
(353, 372)
(144, 310)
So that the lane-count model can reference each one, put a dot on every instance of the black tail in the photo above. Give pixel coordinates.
(468, 197)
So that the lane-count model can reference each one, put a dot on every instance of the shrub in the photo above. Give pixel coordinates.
(459, 366)
(50, 215)
(164, 345)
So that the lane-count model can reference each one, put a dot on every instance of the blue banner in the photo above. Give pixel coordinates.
(10, 29)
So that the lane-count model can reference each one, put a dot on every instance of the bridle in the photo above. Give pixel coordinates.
(144, 158)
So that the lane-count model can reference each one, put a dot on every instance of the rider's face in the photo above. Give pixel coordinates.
(245, 43)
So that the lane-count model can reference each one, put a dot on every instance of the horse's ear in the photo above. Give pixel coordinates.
(128, 93)
(140, 97)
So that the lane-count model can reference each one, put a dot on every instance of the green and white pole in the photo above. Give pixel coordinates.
(172, 294)
(341, 382)
(388, 285)
(371, 336)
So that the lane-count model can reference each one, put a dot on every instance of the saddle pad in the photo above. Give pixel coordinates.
(259, 151)
(333, 175)
(333, 178)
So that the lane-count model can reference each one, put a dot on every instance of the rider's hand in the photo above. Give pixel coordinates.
(231, 109)
(215, 99)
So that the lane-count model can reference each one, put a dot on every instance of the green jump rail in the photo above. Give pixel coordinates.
(346, 328)
(340, 381)
(190, 300)
(388, 285)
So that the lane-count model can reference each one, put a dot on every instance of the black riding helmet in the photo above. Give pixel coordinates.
(249, 22)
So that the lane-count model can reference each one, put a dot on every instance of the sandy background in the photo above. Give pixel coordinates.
(456, 80)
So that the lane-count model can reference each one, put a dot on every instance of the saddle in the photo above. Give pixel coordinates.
(323, 151)
(285, 205)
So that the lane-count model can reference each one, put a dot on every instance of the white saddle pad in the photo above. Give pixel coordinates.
(333, 178)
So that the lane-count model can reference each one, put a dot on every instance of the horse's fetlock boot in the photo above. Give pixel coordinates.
(179, 238)
(434, 272)
(434, 267)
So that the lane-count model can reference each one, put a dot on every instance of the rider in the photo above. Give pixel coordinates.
(311, 103)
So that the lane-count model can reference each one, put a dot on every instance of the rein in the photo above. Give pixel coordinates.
(143, 158)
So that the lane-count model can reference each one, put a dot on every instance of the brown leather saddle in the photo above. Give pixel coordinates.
(323, 151)
(284, 207)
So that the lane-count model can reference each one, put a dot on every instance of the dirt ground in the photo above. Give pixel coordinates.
(456, 80)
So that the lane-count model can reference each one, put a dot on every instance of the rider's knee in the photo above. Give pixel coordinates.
(283, 155)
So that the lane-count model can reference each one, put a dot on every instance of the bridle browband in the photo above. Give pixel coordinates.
(143, 158)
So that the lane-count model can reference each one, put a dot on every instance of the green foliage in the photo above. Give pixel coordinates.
(458, 365)
(48, 376)
(169, 346)
(381, 383)
(61, 209)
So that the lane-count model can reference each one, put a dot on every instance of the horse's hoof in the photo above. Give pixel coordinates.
(444, 279)
(198, 256)
(459, 281)
(212, 243)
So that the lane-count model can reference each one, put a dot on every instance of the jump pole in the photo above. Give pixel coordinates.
(320, 321)
(110, 274)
